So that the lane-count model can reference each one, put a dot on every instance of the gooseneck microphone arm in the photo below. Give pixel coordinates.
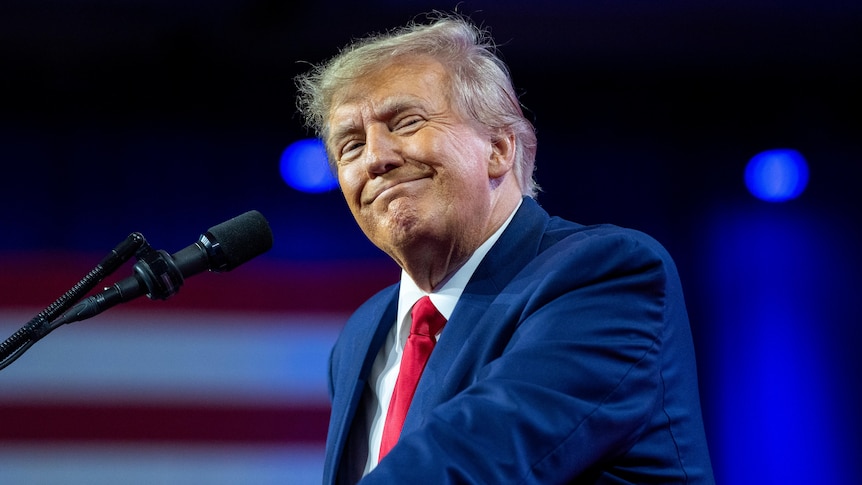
(156, 274)
(39, 326)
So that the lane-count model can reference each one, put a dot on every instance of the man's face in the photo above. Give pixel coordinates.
(414, 172)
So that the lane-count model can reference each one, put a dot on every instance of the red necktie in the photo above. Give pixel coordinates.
(427, 322)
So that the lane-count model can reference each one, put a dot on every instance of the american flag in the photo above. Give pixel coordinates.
(223, 383)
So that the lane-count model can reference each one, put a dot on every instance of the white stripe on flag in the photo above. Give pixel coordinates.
(163, 356)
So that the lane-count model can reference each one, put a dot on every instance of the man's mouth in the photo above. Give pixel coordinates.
(389, 187)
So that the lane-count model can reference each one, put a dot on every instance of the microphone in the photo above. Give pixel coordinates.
(159, 275)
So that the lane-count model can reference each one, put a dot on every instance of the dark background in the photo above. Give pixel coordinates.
(168, 117)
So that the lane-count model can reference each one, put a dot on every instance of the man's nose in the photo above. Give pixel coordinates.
(382, 150)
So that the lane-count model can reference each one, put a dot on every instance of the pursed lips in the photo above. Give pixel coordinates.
(388, 185)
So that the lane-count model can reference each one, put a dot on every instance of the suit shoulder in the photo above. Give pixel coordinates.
(567, 233)
(602, 247)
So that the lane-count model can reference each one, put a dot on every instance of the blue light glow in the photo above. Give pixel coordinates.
(304, 167)
(777, 175)
(778, 412)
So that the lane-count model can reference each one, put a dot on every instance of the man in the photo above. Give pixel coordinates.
(566, 354)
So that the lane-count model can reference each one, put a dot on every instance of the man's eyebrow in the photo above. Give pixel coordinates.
(396, 104)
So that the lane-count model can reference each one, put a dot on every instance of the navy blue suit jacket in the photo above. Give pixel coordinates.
(568, 359)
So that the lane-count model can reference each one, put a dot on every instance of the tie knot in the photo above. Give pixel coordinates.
(427, 320)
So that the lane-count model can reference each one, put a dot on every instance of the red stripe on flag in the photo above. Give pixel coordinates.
(38, 279)
(162, 423)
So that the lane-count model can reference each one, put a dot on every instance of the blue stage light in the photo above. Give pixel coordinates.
(777, 175)
(304, 167)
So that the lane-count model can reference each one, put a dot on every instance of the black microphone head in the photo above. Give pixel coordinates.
(237, 240)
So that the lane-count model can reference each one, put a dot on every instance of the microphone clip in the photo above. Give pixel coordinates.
(158, 272)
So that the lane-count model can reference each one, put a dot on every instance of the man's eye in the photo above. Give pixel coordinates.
(407, 122)
(354, 145)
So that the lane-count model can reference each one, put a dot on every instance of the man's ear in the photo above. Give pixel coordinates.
(502, 158)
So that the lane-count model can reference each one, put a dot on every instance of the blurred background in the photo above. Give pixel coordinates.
(730, 131)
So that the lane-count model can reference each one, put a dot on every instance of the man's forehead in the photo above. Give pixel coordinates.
(350, 108)
(414, 76)
(402, 83)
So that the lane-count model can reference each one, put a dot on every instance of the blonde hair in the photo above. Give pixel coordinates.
(481, 86)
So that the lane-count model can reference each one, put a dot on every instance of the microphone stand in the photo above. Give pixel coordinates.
(41, 324)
